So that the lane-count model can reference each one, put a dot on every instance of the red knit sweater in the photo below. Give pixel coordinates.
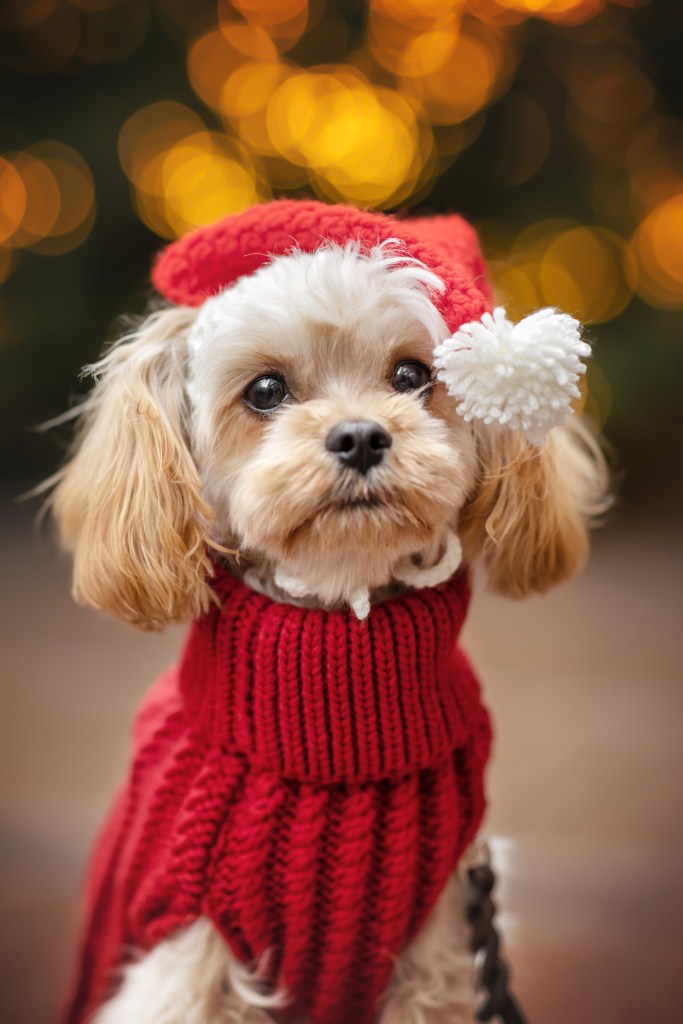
(308, 782)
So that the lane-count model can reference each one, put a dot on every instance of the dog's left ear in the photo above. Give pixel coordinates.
(529, 517)
(128, 503)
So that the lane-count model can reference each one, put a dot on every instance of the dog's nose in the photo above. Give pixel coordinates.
(358, 444)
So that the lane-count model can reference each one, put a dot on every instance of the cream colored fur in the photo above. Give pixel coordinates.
(169, 460)
(191, 978)
(129, 503)
(434, 980)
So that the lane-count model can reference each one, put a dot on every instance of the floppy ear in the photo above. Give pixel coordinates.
(128, 503)
(529, 517)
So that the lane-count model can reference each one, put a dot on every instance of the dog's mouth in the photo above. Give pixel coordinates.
(368, 502)
(334, 506)
(357, 512)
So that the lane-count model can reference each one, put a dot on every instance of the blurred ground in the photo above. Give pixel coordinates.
(585, 789)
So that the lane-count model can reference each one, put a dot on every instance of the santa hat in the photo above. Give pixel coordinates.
(523, 376)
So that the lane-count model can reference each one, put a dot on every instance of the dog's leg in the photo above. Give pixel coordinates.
(191, 978)
(434, 980)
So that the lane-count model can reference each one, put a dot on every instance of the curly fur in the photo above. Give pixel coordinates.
(129, 503)
(528, 517)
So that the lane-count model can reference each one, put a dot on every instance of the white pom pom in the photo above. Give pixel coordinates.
(523, 375)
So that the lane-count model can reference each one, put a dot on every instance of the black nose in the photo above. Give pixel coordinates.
(359, 444)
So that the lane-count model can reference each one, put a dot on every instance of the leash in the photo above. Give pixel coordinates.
(494, 974)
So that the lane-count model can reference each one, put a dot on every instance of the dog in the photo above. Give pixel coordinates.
(288, 443)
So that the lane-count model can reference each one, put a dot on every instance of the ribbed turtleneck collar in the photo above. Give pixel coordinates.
(321, 696)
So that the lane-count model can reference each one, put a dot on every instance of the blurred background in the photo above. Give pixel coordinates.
(556, 127)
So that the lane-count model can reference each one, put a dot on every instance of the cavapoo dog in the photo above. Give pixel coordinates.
(301, 452)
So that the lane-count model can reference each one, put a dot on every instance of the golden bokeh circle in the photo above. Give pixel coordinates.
(12, 200)
(657, 248)
(582, 272)
(149, 133)
(77, 192)
(43, 199)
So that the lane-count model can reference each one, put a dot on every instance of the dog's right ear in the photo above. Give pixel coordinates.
(128, 502)
(530, 514)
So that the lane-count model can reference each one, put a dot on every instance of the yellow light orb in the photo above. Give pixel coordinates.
(210, 61)
(582, 272)
(428, 51)
(533, 240)
(657, 246)
(284, 20)
(249, 88)
(516, 287)
(405, 49)
(296, 113)
(360, 143)
(151, 131)
(205, 177)
(474, 72)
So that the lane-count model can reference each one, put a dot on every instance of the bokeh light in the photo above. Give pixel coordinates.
(47, 200)
(284, 20)
(73, 35)
(410, 91)
(658, 251)
(76, 213)
(149, 133)
(477, 67)
(331, 122)
(568, 12)
(43, 199)
(654, 161)
(611, 90)
(183, 175)
(598, 399)
(249, 88)
(204, 177)
(12, 200)
(583, 269)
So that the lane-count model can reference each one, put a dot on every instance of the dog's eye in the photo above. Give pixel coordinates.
(410, 376)
(265, 393)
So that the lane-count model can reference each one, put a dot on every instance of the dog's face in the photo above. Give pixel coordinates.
(295, 418)
(325, 445)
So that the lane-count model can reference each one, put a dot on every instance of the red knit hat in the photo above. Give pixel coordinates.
(542, 355)
(202, 263)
